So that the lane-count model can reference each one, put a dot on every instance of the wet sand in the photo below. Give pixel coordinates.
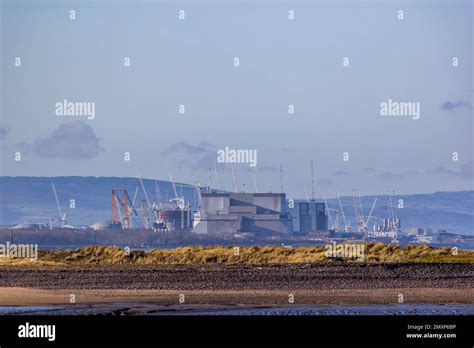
(36, 297)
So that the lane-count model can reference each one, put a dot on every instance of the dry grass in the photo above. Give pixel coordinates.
(256, 255)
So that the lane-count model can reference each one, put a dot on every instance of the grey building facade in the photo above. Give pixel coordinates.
(308, 217)
(258, 213)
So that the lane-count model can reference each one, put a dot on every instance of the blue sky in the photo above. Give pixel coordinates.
(282, 62)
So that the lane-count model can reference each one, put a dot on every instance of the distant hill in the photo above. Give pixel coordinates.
(31, 199)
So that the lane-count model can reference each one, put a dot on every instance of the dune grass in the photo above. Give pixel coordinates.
(255, 255)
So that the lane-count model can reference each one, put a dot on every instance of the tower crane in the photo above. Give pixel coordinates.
(179, 201)
(158, 193)
(254, 179)
(234, 179)
(306, 193)
(209, 185)
(62, 216)
(370, 215)
(328, 211)
(392, 214)
(217, 177)
(347, 228)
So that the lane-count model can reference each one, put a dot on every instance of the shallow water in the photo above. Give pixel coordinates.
(27, 309)
(147, 309)
(398, 309)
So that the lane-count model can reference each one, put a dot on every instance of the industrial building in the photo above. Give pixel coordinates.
(308, 216)
(230, 213)
(173, 220)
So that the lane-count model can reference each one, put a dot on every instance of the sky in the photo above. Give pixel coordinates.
(282, 62)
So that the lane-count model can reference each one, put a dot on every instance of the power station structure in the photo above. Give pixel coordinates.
(232, 212)
(218, 212)
(308, 217)
(173, 220)
(223, 213)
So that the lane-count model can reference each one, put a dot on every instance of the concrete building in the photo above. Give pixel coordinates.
(308, 217)
(173, 220)
(229, 213)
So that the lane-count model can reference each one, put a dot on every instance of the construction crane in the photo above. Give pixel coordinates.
(394, 225)
(119, 213)
(144, 218)
(209, 185)
(217, 178)
(328, 211)
(62, 216)
(158, 193)
(306, 193)
(234, 179)
(281, 178)
(227, 187)
(199, 211)
(129, 212)
(197, 186)
(116, 207)
(359, 211)
(335, 225)
(134, 196)
(370, 215)
(150, 208)
(178, 201)
(173, 186)
(347, 228)
(254, 179)
(144, 191)
(356, 208)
